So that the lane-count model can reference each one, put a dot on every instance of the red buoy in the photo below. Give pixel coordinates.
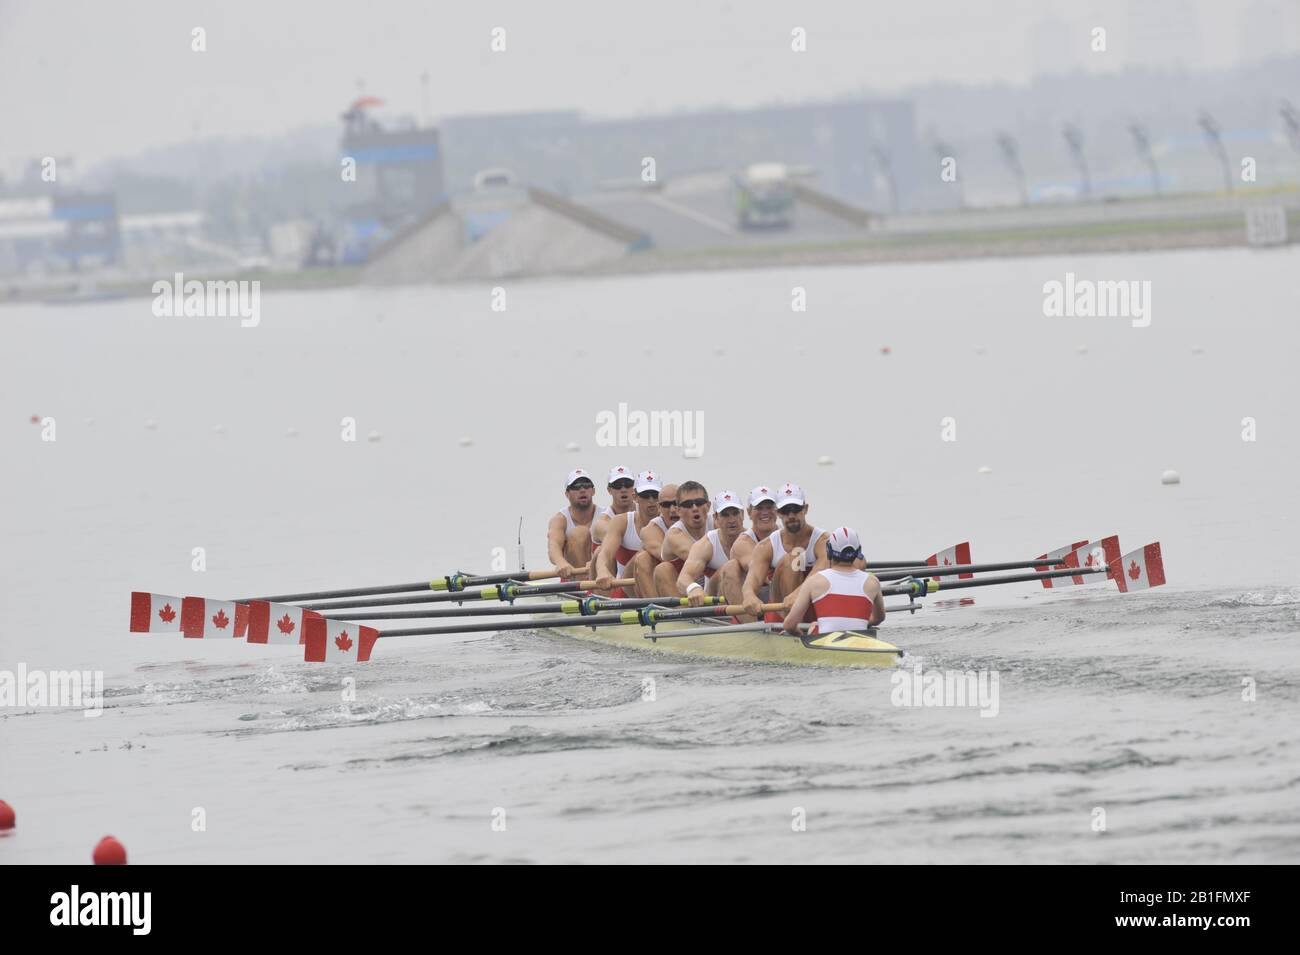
(109, 852)
(6, 816)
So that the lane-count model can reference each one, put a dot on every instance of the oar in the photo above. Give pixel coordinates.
(921, 587)
(931, 570)
(588, 606)
(505, 591)
(451, 582)
(645, 616)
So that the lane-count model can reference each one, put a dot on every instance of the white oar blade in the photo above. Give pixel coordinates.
(337, 641)
(1141, 569)
(277, 623)
(155, 613)
(204, 618)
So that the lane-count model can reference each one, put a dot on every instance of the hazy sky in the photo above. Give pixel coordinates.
(96, 78)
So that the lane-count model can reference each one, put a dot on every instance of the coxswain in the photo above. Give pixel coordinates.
(842, 596)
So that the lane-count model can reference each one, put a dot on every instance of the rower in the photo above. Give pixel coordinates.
(711, 552)
(693, 505)
(623, 537)
(842, 596)
(786, 557)
(622, 500)
(652, 541)
(568, 535)
(762, 524)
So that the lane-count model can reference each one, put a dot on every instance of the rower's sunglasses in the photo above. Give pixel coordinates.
(697, 502)
(622, 484)
(580, 486)
(663, 504)
(792, 509)
(648, 495)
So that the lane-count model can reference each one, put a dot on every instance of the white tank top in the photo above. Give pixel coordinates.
(629, 546)
(720, 556)
(810, 554)
(569, 522)
(844, 606)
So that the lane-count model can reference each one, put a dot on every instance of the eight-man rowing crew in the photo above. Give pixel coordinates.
(675, 541)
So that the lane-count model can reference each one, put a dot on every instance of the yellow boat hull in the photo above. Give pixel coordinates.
(831, 649)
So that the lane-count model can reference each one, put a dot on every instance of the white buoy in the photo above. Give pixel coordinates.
(151, 425)
(90, 421)
(825, 460)
(1081, 349)
(980, 349)
(719, 352)
(374, 436)
(218, 429)
(572, 446)
(466, 441)
(1171, 477)
(985, 469)
(1198, 350)
(291, 432)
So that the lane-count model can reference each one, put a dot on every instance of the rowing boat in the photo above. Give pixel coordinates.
(838, 649)
(335, 632)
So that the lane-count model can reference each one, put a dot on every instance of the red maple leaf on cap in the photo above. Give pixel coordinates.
(219, 620)
(343, 641)
(1134, 570)
(167, 614)
(284, 624)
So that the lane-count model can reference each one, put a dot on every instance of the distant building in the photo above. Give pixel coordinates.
(70, 232)
(399, 179)
(847, 143)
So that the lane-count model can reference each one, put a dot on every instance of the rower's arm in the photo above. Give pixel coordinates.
(696, 559)
(808, 591)
(652, 540)
(555, 541)
(676, 545)
(606, 557)
(600, 527)
(821, 560)
(741, 550)
(760, 562)
(872, 590)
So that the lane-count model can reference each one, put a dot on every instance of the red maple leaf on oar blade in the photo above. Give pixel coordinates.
(284, 624)
(167, 613)
(947, 562)
(219, 620)
(1134, 571)
(343, 641)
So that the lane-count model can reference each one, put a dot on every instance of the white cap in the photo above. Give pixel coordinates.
(789, 494)
(725, 500)
(842, 539)
(760, 494)
(648, 481)
(575, 475)
(619, 473)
